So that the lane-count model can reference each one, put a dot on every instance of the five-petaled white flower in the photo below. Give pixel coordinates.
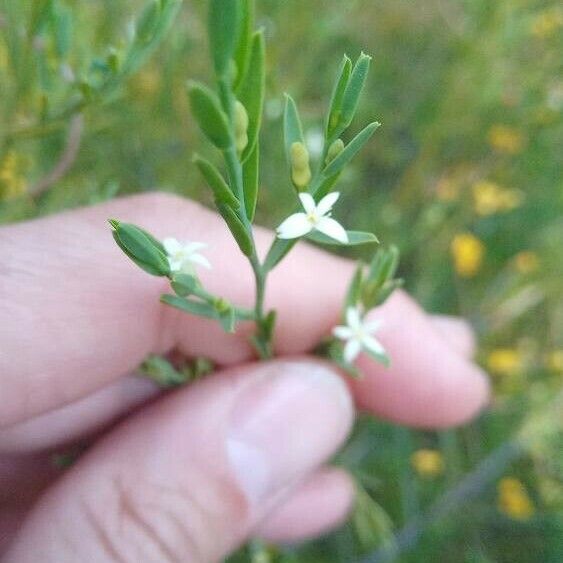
(316, 218)
(183, 257)
(358, 335)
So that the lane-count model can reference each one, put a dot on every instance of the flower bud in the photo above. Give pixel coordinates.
(334, 150)
(300, 169)
(241, 127)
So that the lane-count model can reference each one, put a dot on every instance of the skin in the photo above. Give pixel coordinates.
(192, 474)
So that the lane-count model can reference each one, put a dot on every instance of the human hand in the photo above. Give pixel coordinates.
(189, 475)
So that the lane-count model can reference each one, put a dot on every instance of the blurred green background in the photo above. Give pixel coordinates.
(464, 176)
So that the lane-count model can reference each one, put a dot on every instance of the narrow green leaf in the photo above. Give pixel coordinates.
(223, 28)
(382, 358)
(141, 247)
(277, 252)
(292, 129)
(147, 22)
(238, 230)
(355, 238)
(251, 93)
(251, 173)
(350, 150)
(243, 50)
(193, 307)
(355, 289)
(209, 116)
(353, 91)
(216, 182)
(335, 106)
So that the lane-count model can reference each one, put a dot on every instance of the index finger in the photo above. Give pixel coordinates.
(76, 314)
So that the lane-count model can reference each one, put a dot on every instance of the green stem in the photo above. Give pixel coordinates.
(234, 170)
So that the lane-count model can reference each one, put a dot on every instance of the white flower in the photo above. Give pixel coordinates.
(183, 257)
(316, 218)
(358, 335)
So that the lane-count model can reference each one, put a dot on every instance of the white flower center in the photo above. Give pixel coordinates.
(312, 217)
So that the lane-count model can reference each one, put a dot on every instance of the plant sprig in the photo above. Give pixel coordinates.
(229, 114)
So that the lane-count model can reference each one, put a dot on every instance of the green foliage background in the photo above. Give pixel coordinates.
(445, 75)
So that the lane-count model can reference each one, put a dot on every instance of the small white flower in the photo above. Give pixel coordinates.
(316, 218)
(358, 335)
(183, 257)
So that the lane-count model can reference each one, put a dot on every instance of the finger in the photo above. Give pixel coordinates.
(428, 384)
(457, 332)
(190, 477)
(78, 419)
(316, 507)
(106, 327)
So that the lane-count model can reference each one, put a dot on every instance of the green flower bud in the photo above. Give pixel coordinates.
(141, 247)
(300, 169)
(334, 150)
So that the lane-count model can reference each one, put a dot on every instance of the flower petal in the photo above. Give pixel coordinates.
(327, 203)
(332, 229)
(351, 350)
(342, 332)
(353, 318)
(294, 226)
(199, 259)
(308, 202)
(373, 326)
(175, 265)
(373, 345)
(190, 247)
(171, 245)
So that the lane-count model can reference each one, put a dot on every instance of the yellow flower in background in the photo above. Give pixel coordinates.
(12, 183)
(506, 139)
(555, 361)
(467, 252)
(505, 361)
(547, 22)
(526, 262)
(489, 198)
(427, 462)
(513, 499)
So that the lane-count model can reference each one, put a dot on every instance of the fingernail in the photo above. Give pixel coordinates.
(458, 332)
(288, 421)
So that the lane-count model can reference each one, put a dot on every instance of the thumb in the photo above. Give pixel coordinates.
(188, 478)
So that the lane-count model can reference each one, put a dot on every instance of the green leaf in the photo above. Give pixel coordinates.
(251, 93)
(292, 129)
(277, 252)
(147, 22)
(350, 150)
(354, 238)
(223, 28)
(382, 358)
(243, 50)
(141, 247)
(335, 106)
(238, 230)
(189, 306)
(354, 292)
(216, 182)
(161, 371)
(353, 90)
(209, 116)
(251, 173)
